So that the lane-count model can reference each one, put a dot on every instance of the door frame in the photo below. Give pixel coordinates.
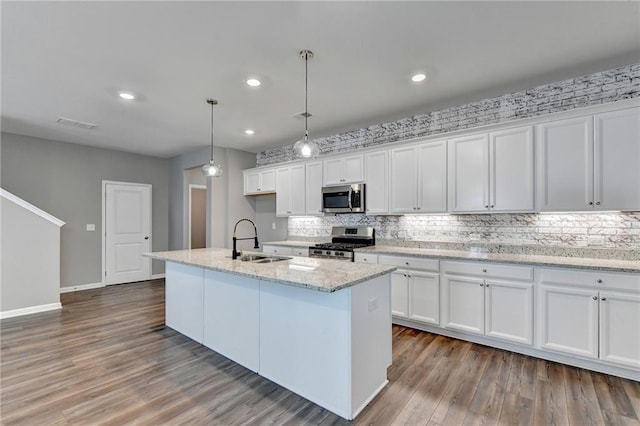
(103, 272)
(191, 186)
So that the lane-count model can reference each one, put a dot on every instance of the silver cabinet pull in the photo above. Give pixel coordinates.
(146, 238)
(590, 203)
(599, 281)
(597, 203)
(604, 299)
(595, 297)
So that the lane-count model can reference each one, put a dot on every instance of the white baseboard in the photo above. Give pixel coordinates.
(157, 276)
(30, 310)
(80, 287)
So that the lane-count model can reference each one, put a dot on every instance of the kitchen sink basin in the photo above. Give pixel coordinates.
(260, 258)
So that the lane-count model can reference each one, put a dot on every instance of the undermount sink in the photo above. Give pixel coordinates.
(260, 258)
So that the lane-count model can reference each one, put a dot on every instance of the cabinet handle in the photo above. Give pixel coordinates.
(481, 285)
(486, 206)
(406, 263)
(404, 275)
(418, 208)
(487, 285)
(258, 189)
(484, 270)
(599, 281)
(603, 299)
(491, 205)
(590, 203)
(597, 203)
(408, 276)
(595, 297)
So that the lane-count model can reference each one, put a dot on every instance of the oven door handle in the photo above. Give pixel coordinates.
(350, 195)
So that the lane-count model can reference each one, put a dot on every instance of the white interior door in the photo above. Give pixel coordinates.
(127, 232)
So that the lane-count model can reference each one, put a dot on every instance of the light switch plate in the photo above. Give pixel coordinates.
(91, 227)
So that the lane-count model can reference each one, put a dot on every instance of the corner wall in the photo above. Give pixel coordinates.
(65, 180)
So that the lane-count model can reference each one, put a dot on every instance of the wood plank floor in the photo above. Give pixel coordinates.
(107, 358)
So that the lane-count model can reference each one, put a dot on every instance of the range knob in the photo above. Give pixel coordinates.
(340, 253)
(328, 253)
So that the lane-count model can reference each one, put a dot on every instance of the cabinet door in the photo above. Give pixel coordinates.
(267, 181)
(184, 294)
(464, 304)
(333, 171)
(509, 311)
(424, 297)
(251, 182)
(568, 320)
(565, 158)
(469, 174)
(283, 191)
(617, 160)
(354, 169)
(511, 170)
(377, 181)
(297, 198)
(620, 328)
(404, 180)
(314, 188)
(432, 177)
(399, 294)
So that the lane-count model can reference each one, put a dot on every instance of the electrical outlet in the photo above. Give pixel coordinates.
(91, 227)
(373, 304)
(273, 225)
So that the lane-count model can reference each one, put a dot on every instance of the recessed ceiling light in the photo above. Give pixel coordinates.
(249, 131)
(253, 82)
(127, 95)
(417, 78)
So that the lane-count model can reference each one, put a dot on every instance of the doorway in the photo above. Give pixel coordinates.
(197, 216)
(126, 221)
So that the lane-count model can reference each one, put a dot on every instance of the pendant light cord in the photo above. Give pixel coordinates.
(211, 131)
(306, 94)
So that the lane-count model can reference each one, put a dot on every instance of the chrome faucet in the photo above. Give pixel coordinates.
(235, 253)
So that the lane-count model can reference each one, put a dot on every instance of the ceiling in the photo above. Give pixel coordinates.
(70, 59)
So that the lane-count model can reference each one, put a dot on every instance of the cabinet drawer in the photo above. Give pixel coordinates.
(590, 278)
(489, 270)
(410, 262)
(300, 251)
(277, 250)
(366, 258)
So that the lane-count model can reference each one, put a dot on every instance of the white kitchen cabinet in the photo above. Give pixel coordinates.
(365, 258)
(184, 291)
(376, 166)
(418, 178)
(313, 188)
(290, 190)
(488, 299)
(591, 314)
(415, 288)
(344, 170)
(590, 163)
(258, 181)
(280, 250)
(492, 172)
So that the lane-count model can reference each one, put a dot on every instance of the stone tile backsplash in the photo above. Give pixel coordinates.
(606, 86)
(620, 231)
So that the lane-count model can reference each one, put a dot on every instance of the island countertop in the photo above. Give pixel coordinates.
(316, 274)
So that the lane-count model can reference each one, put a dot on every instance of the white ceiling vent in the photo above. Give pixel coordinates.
(76, 123)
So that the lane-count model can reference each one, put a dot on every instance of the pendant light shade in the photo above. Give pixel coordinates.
(306, 148)
(212, 168)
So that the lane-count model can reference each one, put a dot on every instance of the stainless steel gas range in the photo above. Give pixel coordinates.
(343, 241)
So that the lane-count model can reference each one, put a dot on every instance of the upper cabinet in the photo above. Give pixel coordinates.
(344, 170)
(492, 172)
(376, 165)
(290, 190)
(419, 178)
(313, 193)
(259, 181)
(590, 163)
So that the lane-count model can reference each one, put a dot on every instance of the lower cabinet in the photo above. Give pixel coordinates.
(415, 295)
(184, 291)
(488, 299)
(590, 314)
(281, 250)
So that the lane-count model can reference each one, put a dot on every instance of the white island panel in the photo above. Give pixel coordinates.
(231, 307)
(184, 299)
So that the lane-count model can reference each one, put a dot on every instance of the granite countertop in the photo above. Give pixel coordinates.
(316, 274)
(611, 265)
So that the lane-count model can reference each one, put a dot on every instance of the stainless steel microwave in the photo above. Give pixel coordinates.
(344, 199)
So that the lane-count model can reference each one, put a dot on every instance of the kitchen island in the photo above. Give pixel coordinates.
(320, 328)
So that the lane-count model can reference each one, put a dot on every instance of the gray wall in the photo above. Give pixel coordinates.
(30, 259)
(225, 202)
(65, 180)
(265, 216)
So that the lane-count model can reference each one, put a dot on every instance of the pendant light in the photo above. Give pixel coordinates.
(212, 169)
(305, 148)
